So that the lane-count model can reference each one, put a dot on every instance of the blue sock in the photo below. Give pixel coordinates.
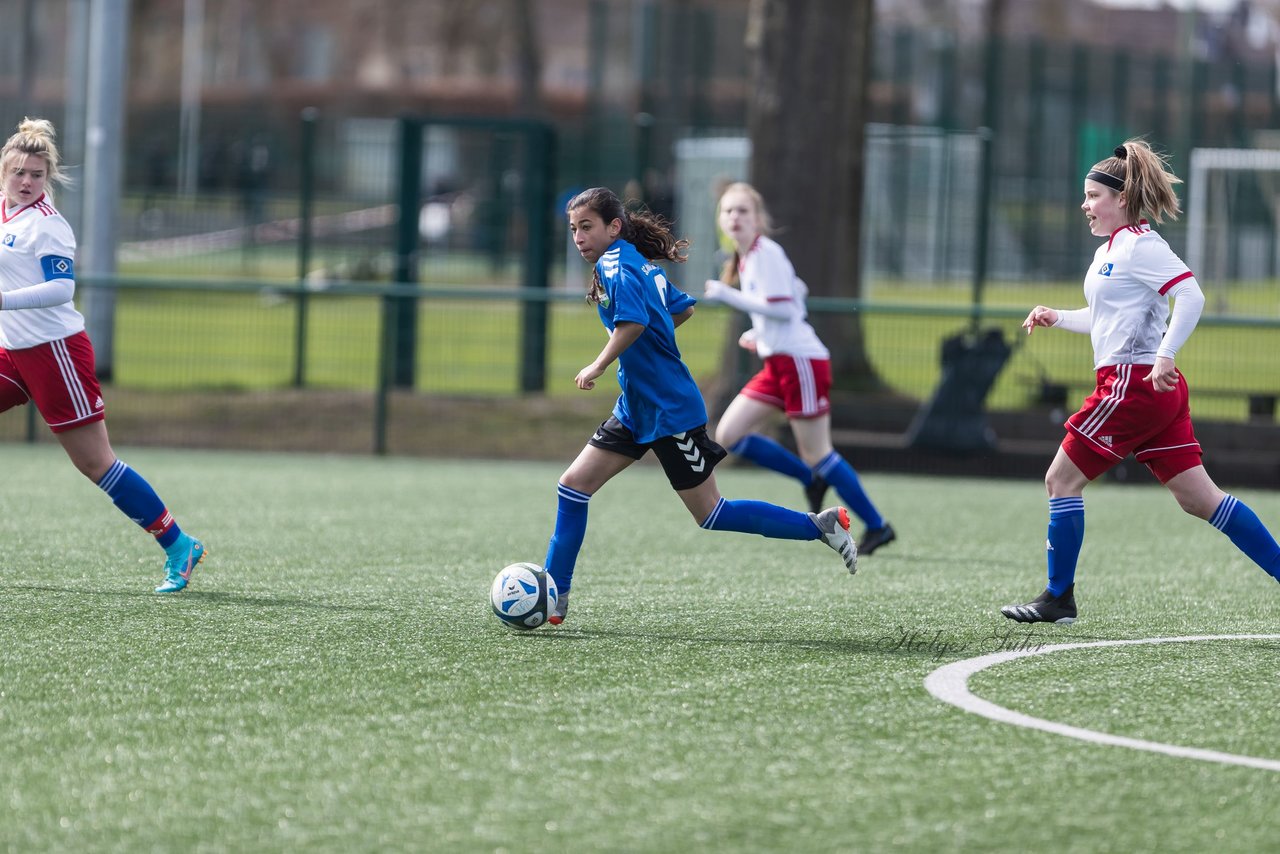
(1234, 518)
(767, 453)
(1066, 534)
(837, 472)
(566, 541)
(137, 500)
(759, 517)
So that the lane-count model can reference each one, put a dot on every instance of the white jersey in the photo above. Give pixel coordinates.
(1126, 289)
(767, 275)
(36, 245)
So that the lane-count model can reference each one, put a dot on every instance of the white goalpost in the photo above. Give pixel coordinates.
(1224, 231)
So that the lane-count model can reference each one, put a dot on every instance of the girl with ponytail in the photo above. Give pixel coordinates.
(1139, 405)
(660, 407)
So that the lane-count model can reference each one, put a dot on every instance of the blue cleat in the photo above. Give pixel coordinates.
(184, 556)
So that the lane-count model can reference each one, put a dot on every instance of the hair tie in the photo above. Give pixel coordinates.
(1122, 152)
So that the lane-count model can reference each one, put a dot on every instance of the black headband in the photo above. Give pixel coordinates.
(1106, 180)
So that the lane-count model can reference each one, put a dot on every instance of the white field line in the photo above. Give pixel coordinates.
(268, 232)
(950, 683)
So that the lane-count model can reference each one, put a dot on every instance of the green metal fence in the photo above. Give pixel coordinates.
(210, 363)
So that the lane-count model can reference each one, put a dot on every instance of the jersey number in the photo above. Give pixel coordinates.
(661, 281)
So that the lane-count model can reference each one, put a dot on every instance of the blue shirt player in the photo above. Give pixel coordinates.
(659, 396)
(660, 407)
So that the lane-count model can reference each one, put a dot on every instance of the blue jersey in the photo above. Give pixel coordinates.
(659, 397)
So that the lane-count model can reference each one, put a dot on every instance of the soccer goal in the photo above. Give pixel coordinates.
(1233, 216)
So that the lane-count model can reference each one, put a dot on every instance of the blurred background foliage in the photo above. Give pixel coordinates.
(650, 97)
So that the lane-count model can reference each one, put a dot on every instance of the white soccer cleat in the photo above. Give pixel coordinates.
(833, 524)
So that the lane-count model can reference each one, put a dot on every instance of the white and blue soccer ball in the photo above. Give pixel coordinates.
(523, 595)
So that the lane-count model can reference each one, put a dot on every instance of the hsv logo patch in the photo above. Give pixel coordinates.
(1105, 269)
(8, 240)
(57, 267)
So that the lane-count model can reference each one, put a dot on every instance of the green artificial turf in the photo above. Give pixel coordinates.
(334, 681)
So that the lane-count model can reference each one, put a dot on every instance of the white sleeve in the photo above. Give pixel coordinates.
(772, 282)
(1075, 320)
(54, 237)
(1156, 265)
(43, 295)
(1187, 305)
(754, 305)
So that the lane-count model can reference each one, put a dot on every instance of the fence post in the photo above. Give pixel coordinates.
(1033, 205)
(541, 158)
(1160, 85)
(306, 190)
(386, 358)
(403, 310)
(1081, 61)
(1120, 91)
(993, 92)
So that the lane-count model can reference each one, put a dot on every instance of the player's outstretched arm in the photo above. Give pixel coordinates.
(1041, 315)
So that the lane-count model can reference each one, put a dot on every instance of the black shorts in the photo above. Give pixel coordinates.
(688, 458)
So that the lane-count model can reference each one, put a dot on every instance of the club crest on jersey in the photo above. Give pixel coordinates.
(8, 239)
(1105, 269)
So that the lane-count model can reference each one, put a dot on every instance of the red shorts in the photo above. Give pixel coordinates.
(58, 377)
(794, 384)
(1125, 415)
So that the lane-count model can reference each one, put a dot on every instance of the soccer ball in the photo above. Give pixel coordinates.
(523, 595)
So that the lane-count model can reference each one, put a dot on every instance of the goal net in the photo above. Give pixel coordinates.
(1233, 220)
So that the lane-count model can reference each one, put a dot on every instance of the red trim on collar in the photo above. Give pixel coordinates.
(5, 216)
(1140, 228)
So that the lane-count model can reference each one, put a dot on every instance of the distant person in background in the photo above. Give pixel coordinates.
(660, 408)
(725, 247)
(46, 357)
(796, 376)
(1140, 403)
(253, 172)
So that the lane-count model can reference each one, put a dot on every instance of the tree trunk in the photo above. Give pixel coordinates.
(810, 71)
(528, 58)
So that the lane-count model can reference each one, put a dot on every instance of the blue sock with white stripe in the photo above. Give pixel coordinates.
(836, 470)
(769, 454)
(137, 500)
(566, 541)
(760, 517)
(1234, 518)
(1066, 535)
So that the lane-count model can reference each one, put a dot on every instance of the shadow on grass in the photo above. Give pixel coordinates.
(901, 642)
(949, 559)
(213, 597)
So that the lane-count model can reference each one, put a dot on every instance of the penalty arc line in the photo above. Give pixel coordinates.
(950, 684)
